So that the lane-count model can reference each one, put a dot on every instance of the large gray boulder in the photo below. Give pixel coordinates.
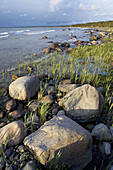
(24, 87)
(83, 103)
(61, 134)
(11, 134)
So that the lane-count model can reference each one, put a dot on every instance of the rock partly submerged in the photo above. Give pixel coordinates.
(83, 103)
(24, 87)
(61, 134)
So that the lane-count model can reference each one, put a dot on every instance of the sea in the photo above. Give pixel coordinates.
(16, 43)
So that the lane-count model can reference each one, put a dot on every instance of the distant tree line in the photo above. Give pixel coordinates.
(95, 24)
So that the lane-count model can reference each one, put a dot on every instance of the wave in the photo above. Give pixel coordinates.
(19, 32)
(3, 33)
(38, 32)
(4, 36)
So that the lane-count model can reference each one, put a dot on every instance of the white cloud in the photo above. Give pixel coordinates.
(54, 5)
(7, 12)
(23, 15)
(64, 14)
(103, 14)
(82, 6)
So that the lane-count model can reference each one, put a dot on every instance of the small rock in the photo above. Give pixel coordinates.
(3, 92)
(11, 105)
(90, 126)
(63, 82)
(2, 162)
(21, 149)
(67, 87)
(13, 133)
(33, 106)
(31, 165)
(2, 124)
(47, 99)
(94, 42)
(47, 50)
(68, 50)
(14, 77)
(8, 152)
(1, 115)
(100, 89)
(54, 111)
(24, 156)
(51, 90)
(16, 114)
(44, 37)
(101, 132)
(65, 44)
(54, 45)
(105, 148)
(61, 112)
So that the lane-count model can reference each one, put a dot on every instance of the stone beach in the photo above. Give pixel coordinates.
(42, 121)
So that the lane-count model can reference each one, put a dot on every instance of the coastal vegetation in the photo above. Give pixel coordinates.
(102, 24)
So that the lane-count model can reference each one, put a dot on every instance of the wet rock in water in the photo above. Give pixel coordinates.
(65, 44)
(83, 103)
(105, 148)
(54, 45)
(101, 132)
(61, 134)
(12, 134)
(47, 99)
(16, 114)
(66, 88)
(44, 37)
(24, 87)
(94, 42)
(47, 50)
(31, 165)
(11, 105)
(93, 37)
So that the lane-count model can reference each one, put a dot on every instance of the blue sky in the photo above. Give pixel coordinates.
(53, 12)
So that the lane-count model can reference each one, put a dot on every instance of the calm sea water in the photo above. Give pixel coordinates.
(15, 43)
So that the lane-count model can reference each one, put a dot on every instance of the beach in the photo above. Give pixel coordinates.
(56, 90)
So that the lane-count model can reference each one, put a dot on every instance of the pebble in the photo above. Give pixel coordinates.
(61, 112)
(21, 149)
(105, 148)
(8, 152)
(54, 111)
(24, 156)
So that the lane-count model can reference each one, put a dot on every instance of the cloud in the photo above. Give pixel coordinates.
(23, 15)
(103, 14)
(54, 5)
(64, 14)
(6, 11)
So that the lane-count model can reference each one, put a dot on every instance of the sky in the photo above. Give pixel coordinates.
(53, 12)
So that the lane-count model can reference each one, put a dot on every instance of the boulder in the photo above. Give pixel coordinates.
(54, 45)
(67, 87)
(83, 103)
(11, 134)
(101, 132)
(24, 87)
(61, 134)
(44, 37)
(65, 44)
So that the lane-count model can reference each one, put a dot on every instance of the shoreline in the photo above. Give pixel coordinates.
(60, 75)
